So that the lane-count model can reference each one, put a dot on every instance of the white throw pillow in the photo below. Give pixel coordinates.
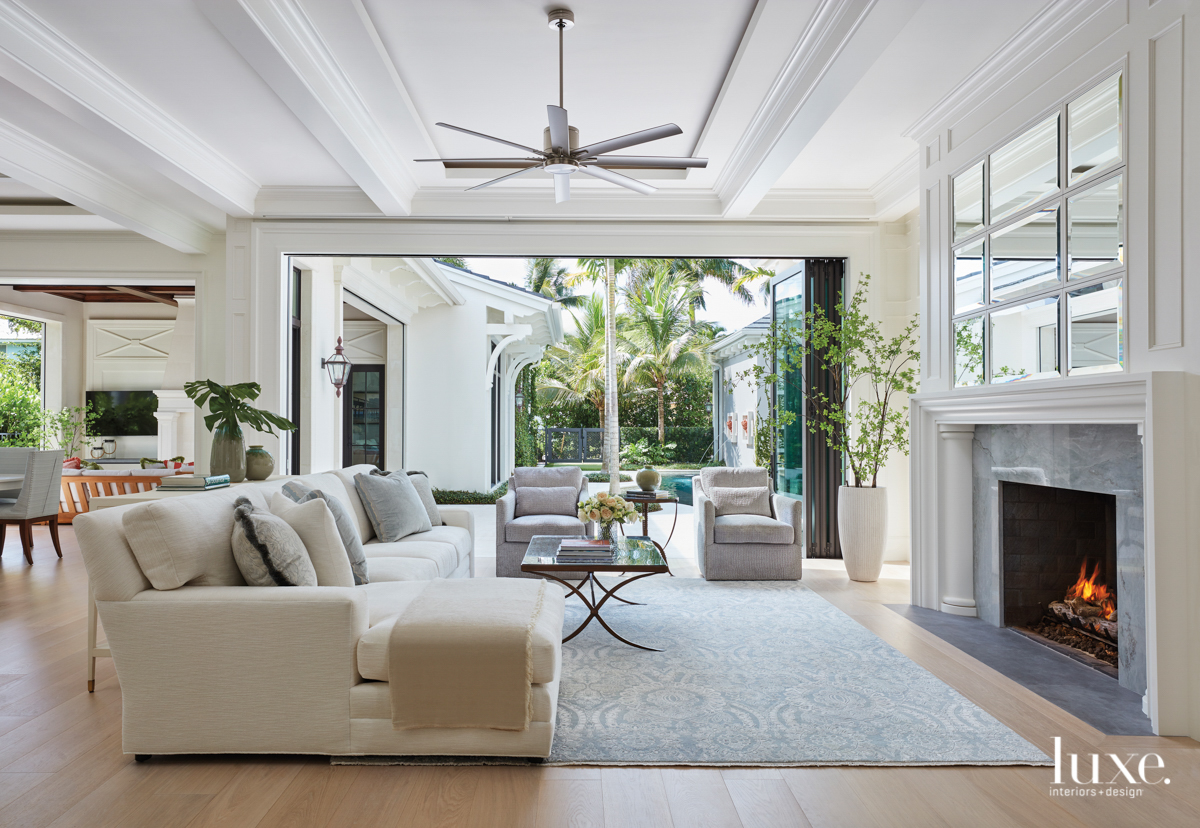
(424, 488)
(268, 551)
(313, 522)
(743, 500)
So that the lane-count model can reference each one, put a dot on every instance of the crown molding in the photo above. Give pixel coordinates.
(35, 162)
(839, 45)
(42, 61)
(329, 75)
(1050, 27)
(896, 192)
(313, 202)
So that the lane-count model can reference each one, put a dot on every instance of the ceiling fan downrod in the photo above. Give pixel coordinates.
(561, 19)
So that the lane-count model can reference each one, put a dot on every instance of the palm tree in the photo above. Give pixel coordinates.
(664, 341)
(549, 278)
(576, 367)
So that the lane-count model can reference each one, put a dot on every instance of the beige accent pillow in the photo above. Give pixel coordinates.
(187, 539)
(313, 522)
(747, 500)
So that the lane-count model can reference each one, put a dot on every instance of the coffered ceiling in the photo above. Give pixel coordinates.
(164, 116)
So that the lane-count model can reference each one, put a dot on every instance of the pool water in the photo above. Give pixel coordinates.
(680, 483)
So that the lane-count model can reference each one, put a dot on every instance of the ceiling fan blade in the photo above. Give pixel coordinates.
(559, 131)
(491, 138)
(613, 144)
(649, 162)
(562, 188)
(484, 163)
(502, 178)
(617, 178)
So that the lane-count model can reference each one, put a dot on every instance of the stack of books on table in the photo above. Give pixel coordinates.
(639, 494)
(584, 550)
(193, 483)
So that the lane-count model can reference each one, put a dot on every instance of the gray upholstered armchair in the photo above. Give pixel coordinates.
(518, 519)
(744, 533)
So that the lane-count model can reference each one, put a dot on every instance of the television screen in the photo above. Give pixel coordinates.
(124, 413)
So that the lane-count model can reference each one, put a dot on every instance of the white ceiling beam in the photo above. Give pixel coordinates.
(331, 70)
(841, 42)
(42, 61)
(39, 164)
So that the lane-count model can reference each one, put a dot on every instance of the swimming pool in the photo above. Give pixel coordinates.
(680, 483)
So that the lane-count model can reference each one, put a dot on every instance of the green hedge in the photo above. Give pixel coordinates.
(602, 477)
(693, 444)
(457, 497)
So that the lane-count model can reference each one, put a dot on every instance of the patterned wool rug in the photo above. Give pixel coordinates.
(758, 673)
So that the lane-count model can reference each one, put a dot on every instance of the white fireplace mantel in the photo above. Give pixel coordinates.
(1161, 404)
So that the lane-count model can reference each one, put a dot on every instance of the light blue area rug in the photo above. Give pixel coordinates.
(758, 673)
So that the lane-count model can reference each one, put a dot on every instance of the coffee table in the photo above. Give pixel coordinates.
(630, 555)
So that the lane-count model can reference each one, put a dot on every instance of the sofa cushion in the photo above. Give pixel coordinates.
(751, 529)
(456, 536)
(522, 529)
(302, 493)
(318, 531)
(443, 555)
(268, 551)
(737, 477)
(346, 476)
(740, 500)
(424, 488)
(546, 500)
(392, 504)
(546, 639)
(390, 570)
(547, 477)
(171, 551)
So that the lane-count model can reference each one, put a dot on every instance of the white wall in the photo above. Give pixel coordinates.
(737, 397)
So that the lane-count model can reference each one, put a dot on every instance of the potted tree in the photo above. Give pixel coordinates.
(861, 415)
(229, 411)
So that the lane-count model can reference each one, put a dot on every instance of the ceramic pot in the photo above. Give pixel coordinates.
(862, 527)
(228, 455)
(259, 463)
(648, 479)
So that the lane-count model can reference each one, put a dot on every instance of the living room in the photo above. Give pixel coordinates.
(243, 177)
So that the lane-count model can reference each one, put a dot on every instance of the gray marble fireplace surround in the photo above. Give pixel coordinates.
(1086, 457)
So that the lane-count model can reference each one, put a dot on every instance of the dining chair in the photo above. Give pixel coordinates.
(37, 502)
(13, 461)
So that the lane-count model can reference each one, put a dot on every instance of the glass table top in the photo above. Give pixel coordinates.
(628, 554)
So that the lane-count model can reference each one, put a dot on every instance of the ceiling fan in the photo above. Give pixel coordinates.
(561, 156)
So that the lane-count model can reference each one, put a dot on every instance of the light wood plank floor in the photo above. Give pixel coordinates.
(61, 762)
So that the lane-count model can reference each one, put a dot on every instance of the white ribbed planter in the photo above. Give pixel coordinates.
(862, 528)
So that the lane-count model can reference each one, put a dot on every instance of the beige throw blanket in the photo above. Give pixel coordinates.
(461, 655)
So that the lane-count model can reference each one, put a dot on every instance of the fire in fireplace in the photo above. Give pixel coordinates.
(1058, 549)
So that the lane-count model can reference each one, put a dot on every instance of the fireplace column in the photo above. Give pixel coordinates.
(956, 553)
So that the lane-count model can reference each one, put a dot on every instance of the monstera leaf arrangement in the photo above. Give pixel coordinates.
(229, 409)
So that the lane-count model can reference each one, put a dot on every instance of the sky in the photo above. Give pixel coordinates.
(723, 307)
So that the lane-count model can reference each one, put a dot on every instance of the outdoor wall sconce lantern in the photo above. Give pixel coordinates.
(519, 399)
(338, 367)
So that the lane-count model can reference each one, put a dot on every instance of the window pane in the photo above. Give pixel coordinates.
(968, 278)
(968, 202)
(1097, 338)
(1025, 170)
(968, 352)
(1095, 230)
(1025, 341)
(1025, 256)
(1094, 129)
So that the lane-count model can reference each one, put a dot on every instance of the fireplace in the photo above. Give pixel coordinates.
(1058, 551)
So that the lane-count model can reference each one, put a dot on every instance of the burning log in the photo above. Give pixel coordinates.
(1091, 621)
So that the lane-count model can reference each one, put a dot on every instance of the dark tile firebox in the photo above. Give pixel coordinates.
(1047, 536)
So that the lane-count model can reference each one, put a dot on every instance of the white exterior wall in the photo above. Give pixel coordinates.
(736, 396)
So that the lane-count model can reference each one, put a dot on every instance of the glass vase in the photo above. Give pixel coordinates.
(228, 455)
(604, 531)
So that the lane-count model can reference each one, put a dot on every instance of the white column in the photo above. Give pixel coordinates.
(956, 537)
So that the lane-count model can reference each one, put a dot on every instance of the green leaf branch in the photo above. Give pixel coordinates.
(229, 407)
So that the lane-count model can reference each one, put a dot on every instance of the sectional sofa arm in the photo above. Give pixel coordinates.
(462, 518)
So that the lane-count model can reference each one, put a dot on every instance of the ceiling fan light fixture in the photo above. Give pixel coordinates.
(564, 16)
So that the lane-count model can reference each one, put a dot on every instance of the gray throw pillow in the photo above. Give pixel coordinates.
(420, 481)
(268, 551)
(392, 505)
(297, 491)
(742, 500)
(547, 500)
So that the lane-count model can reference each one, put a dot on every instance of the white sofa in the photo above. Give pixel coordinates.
(215, 666)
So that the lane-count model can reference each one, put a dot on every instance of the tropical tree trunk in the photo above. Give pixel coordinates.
(662, 417)
(612, 433)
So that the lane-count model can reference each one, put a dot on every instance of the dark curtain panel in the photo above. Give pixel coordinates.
(824, 470)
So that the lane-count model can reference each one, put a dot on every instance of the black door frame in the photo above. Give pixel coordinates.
(348, 411)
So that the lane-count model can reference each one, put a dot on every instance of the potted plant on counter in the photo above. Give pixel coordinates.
(229, 411)
(861, 414)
